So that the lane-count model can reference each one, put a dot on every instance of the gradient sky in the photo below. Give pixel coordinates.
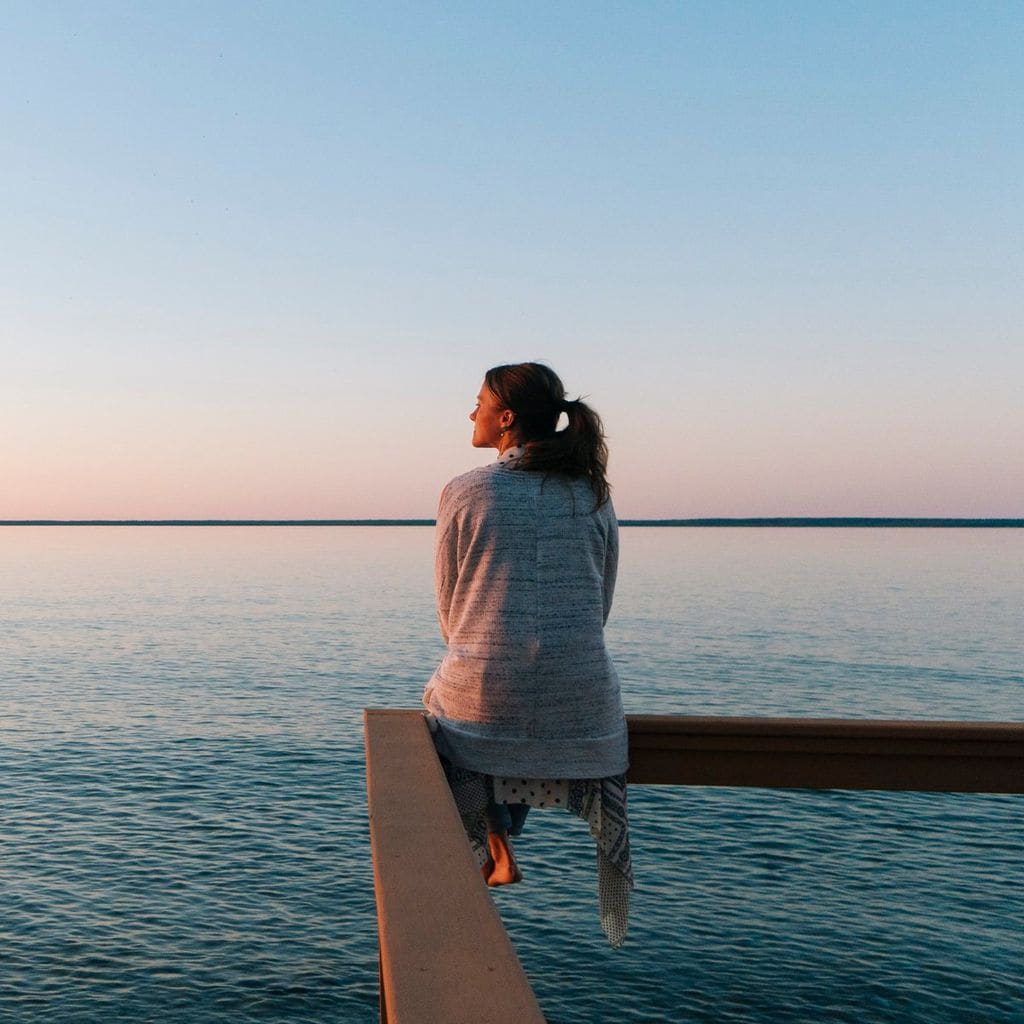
(255, 257)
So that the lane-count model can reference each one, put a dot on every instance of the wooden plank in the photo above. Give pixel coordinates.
(444, 953)
(958, 757)
(445, 956)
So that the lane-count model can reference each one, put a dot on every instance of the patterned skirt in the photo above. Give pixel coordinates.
(601, 803)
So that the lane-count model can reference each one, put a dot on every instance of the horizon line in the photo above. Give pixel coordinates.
(746, 521)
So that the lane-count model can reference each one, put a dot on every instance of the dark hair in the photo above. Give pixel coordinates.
(534, 393)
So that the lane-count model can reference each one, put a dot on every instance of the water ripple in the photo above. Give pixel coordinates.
(183, 831)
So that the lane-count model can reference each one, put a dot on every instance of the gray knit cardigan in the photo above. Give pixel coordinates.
(525, 569)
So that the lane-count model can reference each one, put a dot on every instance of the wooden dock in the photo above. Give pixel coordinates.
(445, 957)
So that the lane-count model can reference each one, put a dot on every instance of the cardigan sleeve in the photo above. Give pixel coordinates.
(446, 561)
(611, 563)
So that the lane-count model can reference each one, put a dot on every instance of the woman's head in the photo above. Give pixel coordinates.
(532, 393)
(521, 403)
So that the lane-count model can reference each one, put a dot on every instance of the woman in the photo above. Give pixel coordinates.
(526, 706)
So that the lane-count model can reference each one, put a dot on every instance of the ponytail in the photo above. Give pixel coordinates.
(535, 394)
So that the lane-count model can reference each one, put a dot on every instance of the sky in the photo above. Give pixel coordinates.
(255, 257)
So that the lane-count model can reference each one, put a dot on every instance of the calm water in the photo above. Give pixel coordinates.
(182, 812)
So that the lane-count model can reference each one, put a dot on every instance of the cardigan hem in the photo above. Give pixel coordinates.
(593, 757)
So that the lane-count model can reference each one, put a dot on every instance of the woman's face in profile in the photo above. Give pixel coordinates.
(489, 417)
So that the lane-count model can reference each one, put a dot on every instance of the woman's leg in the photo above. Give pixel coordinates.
(501, 867)
(499, 817)
(517, 818)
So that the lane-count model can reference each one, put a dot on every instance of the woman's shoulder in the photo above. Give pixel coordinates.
(496, 489)
(468, 487)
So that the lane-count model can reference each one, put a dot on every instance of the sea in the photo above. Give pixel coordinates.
(183, 829)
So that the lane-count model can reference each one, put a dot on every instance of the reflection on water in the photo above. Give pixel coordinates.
(182, 810)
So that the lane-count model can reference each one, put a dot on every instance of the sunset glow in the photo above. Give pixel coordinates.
(256, 260)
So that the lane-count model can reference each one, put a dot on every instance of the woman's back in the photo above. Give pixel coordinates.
(525, 572)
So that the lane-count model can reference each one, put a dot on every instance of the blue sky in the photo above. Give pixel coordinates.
(257, 256)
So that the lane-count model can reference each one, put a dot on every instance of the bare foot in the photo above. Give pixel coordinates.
(501, 867)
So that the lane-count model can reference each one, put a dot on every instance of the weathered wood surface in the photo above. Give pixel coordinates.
(445, 957)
